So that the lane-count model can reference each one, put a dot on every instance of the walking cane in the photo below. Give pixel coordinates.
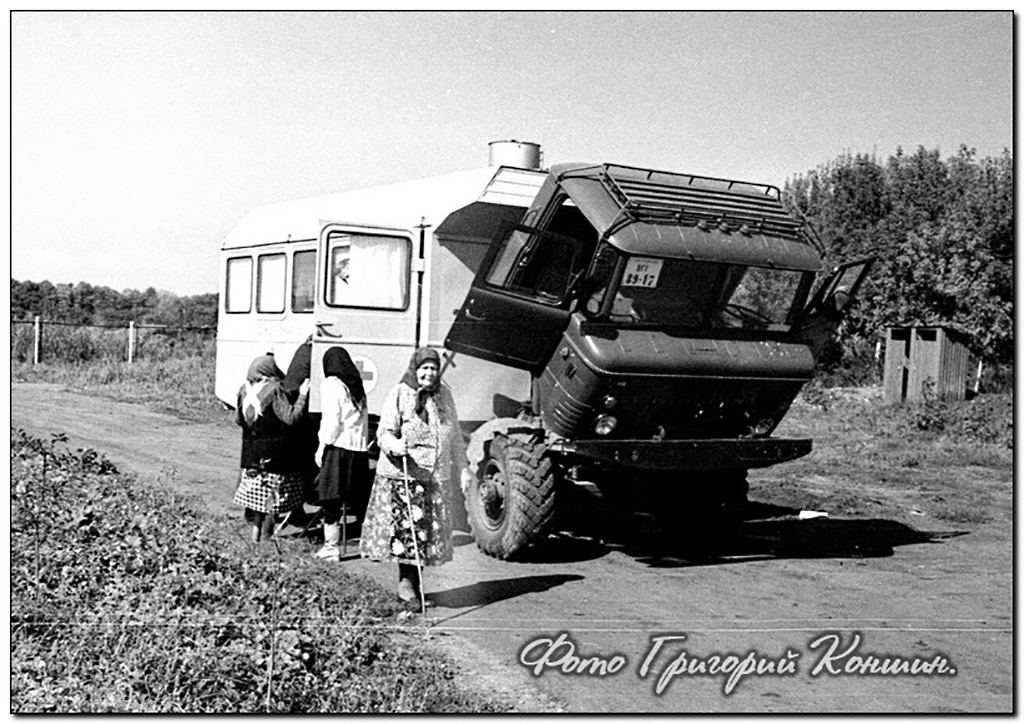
(412, 530)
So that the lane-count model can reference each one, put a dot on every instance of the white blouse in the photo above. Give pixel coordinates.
(342, 423)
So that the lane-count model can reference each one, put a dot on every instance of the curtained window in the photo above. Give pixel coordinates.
(368, 271)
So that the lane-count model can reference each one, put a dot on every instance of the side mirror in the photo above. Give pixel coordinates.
(835, 294)
(836, 304)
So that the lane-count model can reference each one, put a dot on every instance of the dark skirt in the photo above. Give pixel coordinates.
(344, 479)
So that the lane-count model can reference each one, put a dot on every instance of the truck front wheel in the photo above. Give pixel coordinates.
(512, 502)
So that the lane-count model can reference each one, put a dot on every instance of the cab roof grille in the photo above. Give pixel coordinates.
(659, 197)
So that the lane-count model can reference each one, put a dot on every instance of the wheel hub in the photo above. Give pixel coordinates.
(492, 495)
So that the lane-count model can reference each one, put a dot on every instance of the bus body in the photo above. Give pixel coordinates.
(378, 271)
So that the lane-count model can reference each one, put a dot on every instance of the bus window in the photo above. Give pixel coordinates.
(238, 295)
(303, 280)
(368, 271)
(270, 276)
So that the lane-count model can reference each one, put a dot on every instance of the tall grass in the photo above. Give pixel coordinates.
(173, 372)
(63, 344)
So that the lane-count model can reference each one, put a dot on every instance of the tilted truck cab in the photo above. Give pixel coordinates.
(604, 323)
(665, 322)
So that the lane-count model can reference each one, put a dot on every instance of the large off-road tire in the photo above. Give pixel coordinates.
(512, 502)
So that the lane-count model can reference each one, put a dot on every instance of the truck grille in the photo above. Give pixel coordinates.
(701, 408)
(567, 414)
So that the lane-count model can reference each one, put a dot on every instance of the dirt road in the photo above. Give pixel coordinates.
(804, 603)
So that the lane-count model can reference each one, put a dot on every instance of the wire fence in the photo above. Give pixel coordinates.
(36, 341)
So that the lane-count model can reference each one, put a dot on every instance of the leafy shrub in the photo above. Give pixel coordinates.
(126, 599)
(997, 379)
(986, 419)
(931, 414)
(849, 364)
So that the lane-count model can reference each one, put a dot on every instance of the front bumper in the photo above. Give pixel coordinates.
(720, 454)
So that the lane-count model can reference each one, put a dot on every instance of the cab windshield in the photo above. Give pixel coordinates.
(662, 292)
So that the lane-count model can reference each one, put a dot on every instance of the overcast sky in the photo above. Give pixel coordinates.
(140, 139)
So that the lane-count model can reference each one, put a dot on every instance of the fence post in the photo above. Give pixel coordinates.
(131, 341)
(37, 346)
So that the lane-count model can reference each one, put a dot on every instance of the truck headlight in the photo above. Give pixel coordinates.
(604, 424)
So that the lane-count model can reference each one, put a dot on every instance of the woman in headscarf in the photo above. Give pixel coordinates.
(271, 477)
(344, 463)
(304, 431)
(408, 520)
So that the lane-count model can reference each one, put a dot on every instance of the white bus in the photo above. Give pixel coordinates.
(378, 271)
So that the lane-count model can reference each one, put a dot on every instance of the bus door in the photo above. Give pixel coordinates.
(366, 303)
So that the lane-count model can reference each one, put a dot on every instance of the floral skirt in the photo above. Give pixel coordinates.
(389, 529)
(269, 492)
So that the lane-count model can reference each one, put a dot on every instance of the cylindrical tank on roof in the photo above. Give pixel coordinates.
(520, 154)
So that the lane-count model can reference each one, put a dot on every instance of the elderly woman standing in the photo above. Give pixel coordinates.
(407, 520)
(271, 477)
(344, 463)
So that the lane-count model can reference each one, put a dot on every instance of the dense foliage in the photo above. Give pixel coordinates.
(126, 598)
(85, 304)
(942, 233)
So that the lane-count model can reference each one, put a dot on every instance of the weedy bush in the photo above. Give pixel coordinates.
(851, 365)
(126, 599)
(182, 385)
(984, 420)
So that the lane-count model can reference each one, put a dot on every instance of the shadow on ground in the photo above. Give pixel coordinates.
(763, 532)
(592, 531)
(488, 592)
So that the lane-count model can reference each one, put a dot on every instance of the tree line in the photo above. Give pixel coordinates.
(942, 235)
(85, 304)
(941, 232)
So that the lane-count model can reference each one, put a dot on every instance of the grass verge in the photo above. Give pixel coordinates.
(180, 386)
(126, 599)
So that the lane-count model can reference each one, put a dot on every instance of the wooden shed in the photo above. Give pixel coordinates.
(916, 355)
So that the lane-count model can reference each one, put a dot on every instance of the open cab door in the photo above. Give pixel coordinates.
(520, 301)
(832, 301)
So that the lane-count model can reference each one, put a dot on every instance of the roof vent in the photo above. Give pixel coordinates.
(520, 154)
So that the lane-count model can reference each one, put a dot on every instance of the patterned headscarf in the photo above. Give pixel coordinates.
(338, 363)
(421, 355)
(261, 384)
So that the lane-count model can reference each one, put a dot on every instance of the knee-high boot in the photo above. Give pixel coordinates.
(332, 536)
(408, 582)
